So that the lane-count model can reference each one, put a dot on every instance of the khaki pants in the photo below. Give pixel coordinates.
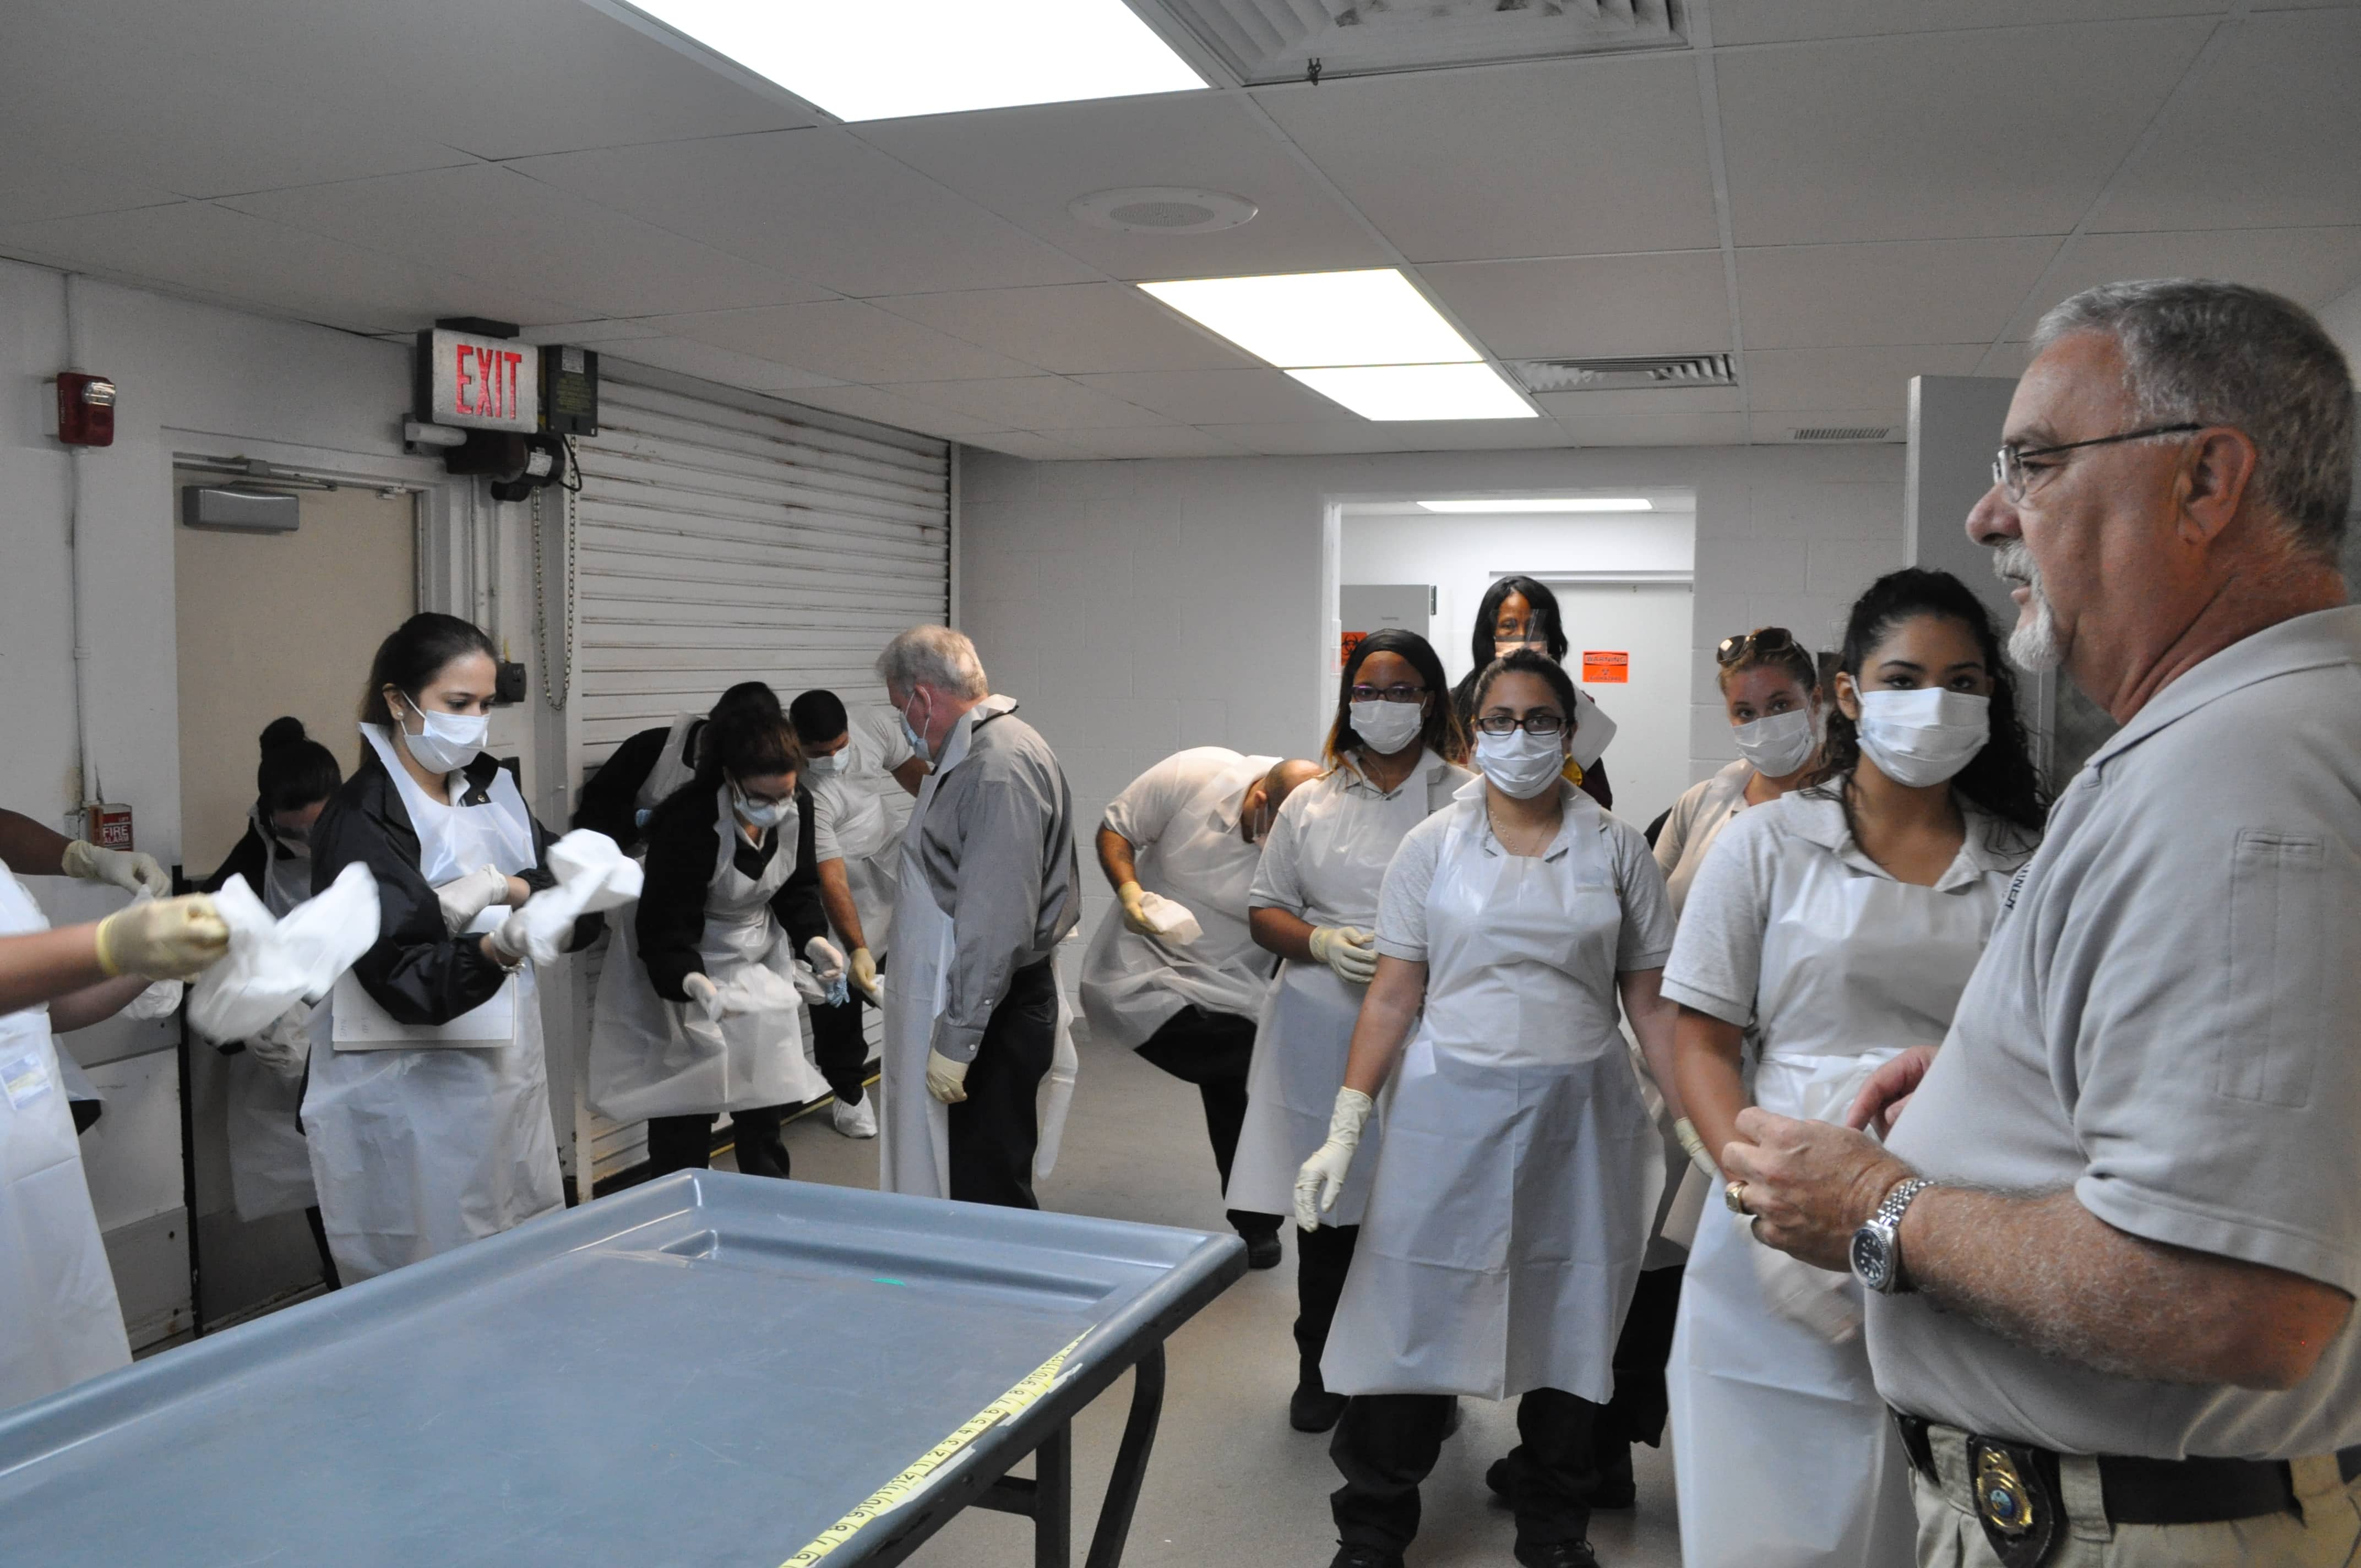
(2326, 1533)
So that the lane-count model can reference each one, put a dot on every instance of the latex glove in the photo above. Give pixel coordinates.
(163, 939)
(463, 898)
(285, 1044)
(826, 961)
(1687, 1132)
(1348, 950)
(946, 1079)
(864, 975)
(126, 869)
(1321, 1181)
(1128, 904)
(705, 995)
(1824, 1302)
(807, 984)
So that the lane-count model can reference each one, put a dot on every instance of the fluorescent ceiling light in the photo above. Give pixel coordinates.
(879, 59)
(1561, 503)
(1304, 319)
(1419, 392)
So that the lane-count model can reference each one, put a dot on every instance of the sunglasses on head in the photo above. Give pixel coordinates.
(1761, 640)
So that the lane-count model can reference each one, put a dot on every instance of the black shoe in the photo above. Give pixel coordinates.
(1313, 1408)
(1500, 1475)
(1616, 1490)
(1558, 1554)
(1365, 1557)
(1262, 1252)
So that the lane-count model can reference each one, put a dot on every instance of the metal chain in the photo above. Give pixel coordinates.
(558, 674)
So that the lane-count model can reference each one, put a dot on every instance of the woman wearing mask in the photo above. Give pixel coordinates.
(428, 1121)
(1510, 1204)
(269, 1164)
(1839, 923)
(1771, 687)
(1315, 902)
(1521, 612)
(699, 1006)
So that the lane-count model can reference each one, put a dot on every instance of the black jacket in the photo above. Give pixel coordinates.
(418, 971)
(610, 798)
(671, 919)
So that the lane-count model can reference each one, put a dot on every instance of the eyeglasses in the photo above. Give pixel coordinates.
(1389, 694)
(1543, 723)
(2008, 463)
(1761, 640)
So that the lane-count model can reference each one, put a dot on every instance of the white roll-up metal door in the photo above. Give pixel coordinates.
(717, 543)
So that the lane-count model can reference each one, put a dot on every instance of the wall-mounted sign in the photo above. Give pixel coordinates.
(1601, 668)
(479, 383)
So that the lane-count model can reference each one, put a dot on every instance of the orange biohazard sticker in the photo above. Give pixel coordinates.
(1605, 668)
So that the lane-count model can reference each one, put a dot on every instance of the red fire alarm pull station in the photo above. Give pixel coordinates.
(108, 824)
(85, 410)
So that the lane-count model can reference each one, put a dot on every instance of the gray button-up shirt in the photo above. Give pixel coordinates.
(2167, 1020)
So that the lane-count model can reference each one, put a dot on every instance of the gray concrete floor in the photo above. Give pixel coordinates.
(1230, 1482)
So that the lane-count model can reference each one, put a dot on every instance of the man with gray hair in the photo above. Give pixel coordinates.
(989, 887)
(2113, 1245)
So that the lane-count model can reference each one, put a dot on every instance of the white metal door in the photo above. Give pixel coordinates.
(717, 543)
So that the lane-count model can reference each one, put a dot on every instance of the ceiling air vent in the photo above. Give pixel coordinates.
(1263, 42)
(1649, 371)
(1844, 433)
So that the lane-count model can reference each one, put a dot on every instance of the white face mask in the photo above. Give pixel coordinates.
(760, 813)
(1519, 763)
(826, 767)
(1923, 737)
(910, 731)
(1779, 744)
(1387, 727)
(451, 740)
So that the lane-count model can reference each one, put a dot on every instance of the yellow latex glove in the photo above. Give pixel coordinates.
(164, 938)
(1348, 950)
(1321, 1181)
(125, 869)
(864, 975)
(946, 1079)
(1128, 904)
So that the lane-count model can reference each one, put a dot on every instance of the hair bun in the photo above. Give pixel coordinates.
(282, 732)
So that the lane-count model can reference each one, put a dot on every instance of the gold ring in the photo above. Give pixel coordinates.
(1735, 1195)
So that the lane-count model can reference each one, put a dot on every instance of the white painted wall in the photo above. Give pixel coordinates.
(1136, 607)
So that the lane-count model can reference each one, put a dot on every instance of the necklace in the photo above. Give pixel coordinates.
(1540, 839)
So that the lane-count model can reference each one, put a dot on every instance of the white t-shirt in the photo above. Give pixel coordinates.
(860, 812)
(1326, 857)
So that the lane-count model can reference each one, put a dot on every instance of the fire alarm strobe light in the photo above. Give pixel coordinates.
(85, 410)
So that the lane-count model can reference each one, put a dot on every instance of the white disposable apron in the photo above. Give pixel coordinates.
(1512, 1197)
(417, 1150)
(1856, 967)
(914, 1134)
(270, 1160)
(653, 1057)
(1305, 1029)
(671, 769)
(60, 1321)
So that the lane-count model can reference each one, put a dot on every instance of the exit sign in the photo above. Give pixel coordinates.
(479, 383)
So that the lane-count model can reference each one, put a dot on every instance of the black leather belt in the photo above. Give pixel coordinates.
(2160, 1491)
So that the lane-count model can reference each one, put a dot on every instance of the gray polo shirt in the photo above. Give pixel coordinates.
(2167, 1020)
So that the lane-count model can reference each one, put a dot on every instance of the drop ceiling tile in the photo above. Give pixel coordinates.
(1218, 397)
(1025, 444)
(2310, 265)
(1644, 402)
(2008, 131)
(1664, 303)
(33, 190)
(1826, 296)
(1788, 21)
(1073, 328)
(2266, 137)
(1398, 435)
(2007, 359)
(1657, 430)
(689, 357)
(499, 225)
(1030, 402)
(1779, 426)
(1026, 164)
(205, 248)
(604, 329)
(1779, 379)
(1562, 157)
(1310, 437)
(847, 339)
(816, 204)
(903, 413)
(1149, 440)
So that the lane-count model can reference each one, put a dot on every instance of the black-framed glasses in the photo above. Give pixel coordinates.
(2008, 463)
(1543, 723)
(1387, 694)
(1761, 640)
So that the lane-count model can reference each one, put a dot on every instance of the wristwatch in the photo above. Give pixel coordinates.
(1877, 1245)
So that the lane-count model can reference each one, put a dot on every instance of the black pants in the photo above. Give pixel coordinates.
(685, 1143)
(1213, 1050)
(995, 1131)
(328, 1275)
(1387, 1444)
(1323, 1258)
(1636, 1413)
(838, 1047)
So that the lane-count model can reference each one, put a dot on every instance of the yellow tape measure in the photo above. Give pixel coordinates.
(892, 1495)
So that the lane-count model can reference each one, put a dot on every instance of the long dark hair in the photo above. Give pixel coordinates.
(1440, 732)
(1525, 662)
(415, 654)
(2000, 778)
(1546, 618)
(745, 738)
(747, 702)
(295, 770)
